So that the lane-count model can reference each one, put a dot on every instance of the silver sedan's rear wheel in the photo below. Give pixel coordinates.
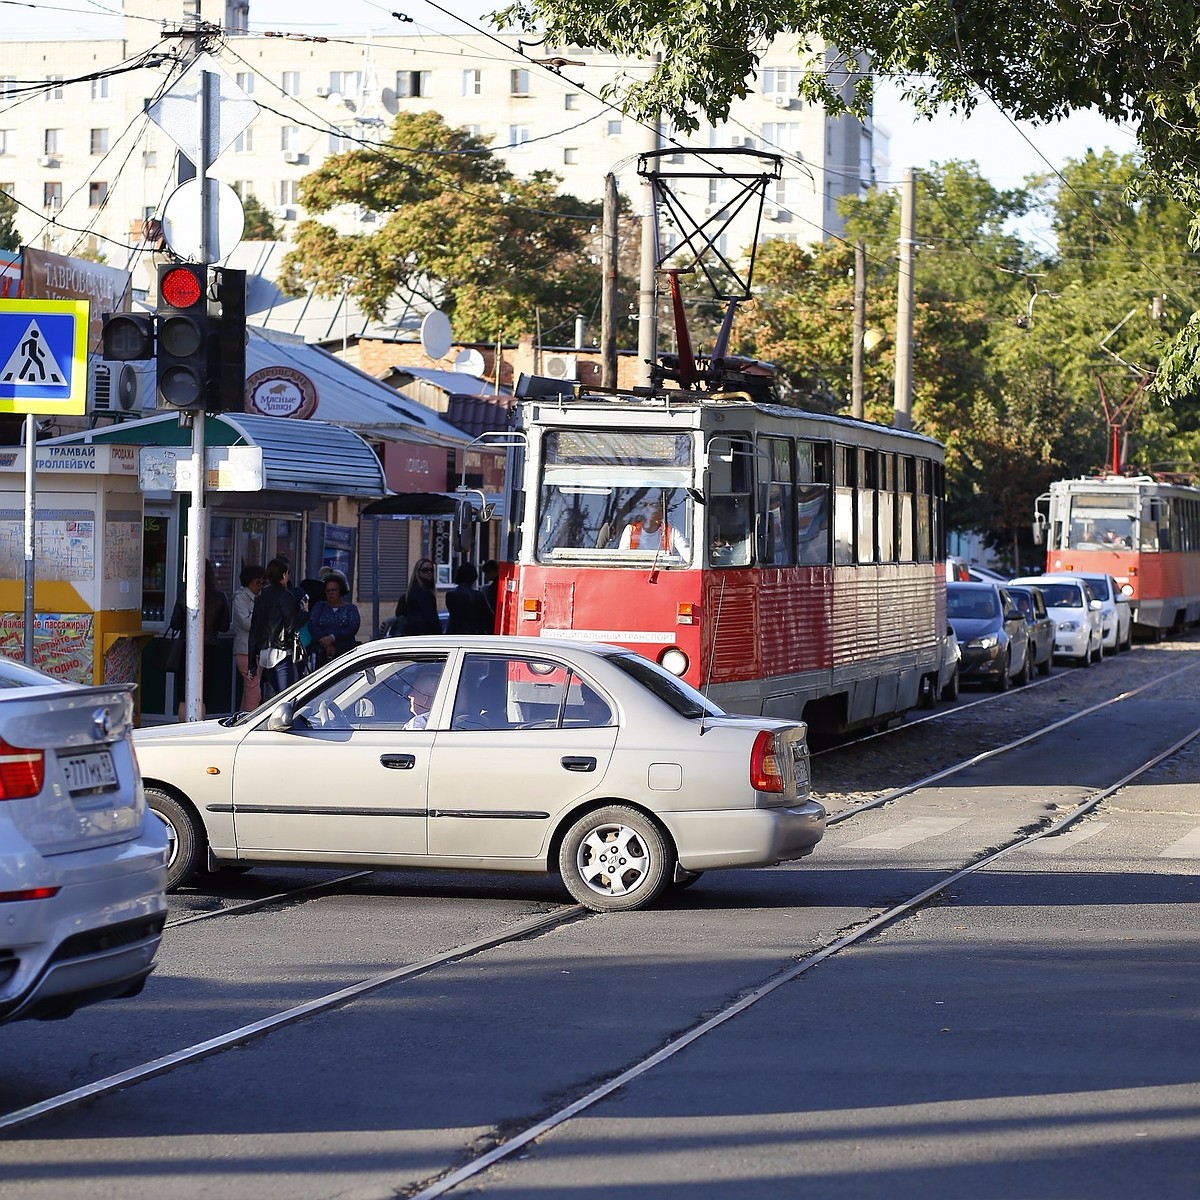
(183, 833)
(615, 859)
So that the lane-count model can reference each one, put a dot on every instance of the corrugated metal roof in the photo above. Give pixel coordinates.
(454, 383)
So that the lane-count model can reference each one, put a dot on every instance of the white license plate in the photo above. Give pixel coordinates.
(89, 772)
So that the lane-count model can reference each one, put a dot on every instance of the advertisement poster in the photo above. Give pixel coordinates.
(63, 643)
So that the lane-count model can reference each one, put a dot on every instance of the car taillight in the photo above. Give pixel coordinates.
(765, 775)
(41, 893)
(22, 772)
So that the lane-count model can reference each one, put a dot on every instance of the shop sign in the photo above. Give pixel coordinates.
(281, 392)
(76, 459)
(228, 469)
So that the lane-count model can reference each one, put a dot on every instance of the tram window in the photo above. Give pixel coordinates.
(812, 523)
(865, 498)
(730, 504)
(905, 518)
(924, 545)
(779, 543)
(886, 508)
(592, 519)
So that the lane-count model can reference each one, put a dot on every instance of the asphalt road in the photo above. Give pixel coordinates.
(1030, 1033)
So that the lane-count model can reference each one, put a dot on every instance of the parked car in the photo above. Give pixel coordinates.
(980, 574)
(1114, 609)
(1079, 630)
(991, 635)
(498, 754)
(1040, 623)
(82, 861)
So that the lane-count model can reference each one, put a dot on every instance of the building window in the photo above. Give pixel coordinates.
(98, 141)
(149, 158)
(519, 82)
(472, 83)
(6, 143)
(474, 131)
(347, 83)
(339, 141)
(100, 89)
(411, 84)
(782, 135)
(97, 194)
(244, 143)
(52, 142)
(289, 138)
(8, 86)
(289, 191)
(244, 188)
(52, 196)
(782, 81)
(290, 83)
(571, 100)
(614, 129)
(54, 87)
(245, 80)
(570, 156)
(518, 135)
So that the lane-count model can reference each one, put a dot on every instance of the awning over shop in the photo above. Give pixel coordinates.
(313, 457)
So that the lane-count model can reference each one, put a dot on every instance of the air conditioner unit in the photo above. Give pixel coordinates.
(776, 212)
(283, 213)
(292, 156)
(322, 91)
(783, 102)
(115, 389)
(560, 366)
(47, 160)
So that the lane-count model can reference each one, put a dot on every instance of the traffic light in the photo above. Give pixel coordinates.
(227, 359)
(128, 337)
(183, 336)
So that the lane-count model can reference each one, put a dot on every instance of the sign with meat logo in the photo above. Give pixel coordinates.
(281, 392)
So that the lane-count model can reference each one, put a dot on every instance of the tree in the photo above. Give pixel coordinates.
(501, 255)
(10, 239)
(260, 225)
(1135, 62)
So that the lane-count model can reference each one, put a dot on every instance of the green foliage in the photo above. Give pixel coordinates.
(10, 239)
(260, 225)
(458, 230)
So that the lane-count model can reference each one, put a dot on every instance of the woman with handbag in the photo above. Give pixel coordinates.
(334, 621)
(274, 646)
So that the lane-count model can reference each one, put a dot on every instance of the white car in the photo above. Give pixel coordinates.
(492, 753)
(82, 859)
(1079, 626)
(1114, 608)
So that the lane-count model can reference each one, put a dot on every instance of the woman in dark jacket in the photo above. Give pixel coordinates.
(273, 647)
(469, 612)
(421, 609)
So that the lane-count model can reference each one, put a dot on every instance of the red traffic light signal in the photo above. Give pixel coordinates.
(183, 332)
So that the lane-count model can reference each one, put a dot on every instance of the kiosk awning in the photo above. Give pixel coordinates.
(314, 457)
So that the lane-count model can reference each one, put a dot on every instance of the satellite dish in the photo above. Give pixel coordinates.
(436, 335)
(469, 362)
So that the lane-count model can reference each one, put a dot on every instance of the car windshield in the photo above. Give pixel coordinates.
(972, 604)
(682, 697)
(1062, 595)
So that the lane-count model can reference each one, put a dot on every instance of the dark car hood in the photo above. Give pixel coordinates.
(966, 629)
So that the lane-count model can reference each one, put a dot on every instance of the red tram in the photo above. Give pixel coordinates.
(1142, 531)
(787, 563)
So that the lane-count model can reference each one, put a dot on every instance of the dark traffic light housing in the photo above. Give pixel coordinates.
(128, 337)
(183, 336)
(227, 357)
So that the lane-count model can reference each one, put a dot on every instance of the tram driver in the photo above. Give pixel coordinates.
(649, 530)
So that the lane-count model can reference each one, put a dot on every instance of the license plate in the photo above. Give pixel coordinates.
(91, 772)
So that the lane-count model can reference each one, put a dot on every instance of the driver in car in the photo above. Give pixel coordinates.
(424, 688)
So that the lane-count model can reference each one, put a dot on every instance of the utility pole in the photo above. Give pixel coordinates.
(860, 331)
(608, 300)
(647, 288)
(904, 302)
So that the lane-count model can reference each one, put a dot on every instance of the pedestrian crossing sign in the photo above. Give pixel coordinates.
(43, 357)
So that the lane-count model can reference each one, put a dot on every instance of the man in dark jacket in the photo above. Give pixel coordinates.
(465, 604)
(274, 648)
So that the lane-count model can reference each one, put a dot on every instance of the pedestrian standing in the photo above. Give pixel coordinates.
(274, 647)
(420, 601)
(253, 579)
(468, 609)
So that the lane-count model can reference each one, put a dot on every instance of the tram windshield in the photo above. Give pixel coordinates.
(1102, 522)
(615, 496)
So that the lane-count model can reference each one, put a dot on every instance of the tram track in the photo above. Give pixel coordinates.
(542, 924)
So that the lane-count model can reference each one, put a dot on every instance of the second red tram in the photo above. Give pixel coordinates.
(787, 563)
(1142, 531)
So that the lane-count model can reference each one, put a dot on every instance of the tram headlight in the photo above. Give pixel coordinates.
(1127, 589)
(674, 660)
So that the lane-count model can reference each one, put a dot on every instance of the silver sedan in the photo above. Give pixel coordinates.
(498, 754)
(82, 863)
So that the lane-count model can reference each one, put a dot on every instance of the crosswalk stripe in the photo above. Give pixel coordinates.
(1062, 842)
(1188, 846)
(909, 833)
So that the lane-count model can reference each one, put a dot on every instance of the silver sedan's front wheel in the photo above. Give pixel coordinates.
(615, 859)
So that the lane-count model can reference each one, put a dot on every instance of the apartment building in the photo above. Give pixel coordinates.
(88, 168)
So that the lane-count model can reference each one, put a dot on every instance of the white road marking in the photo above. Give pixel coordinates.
(1062, 842)
(1187, 847)
(909, 833)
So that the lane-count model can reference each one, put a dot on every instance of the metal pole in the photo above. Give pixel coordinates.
(608, 303)
(197, 540)
(860, 322)
(30, 529)
(904, 302)
(647, 287)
